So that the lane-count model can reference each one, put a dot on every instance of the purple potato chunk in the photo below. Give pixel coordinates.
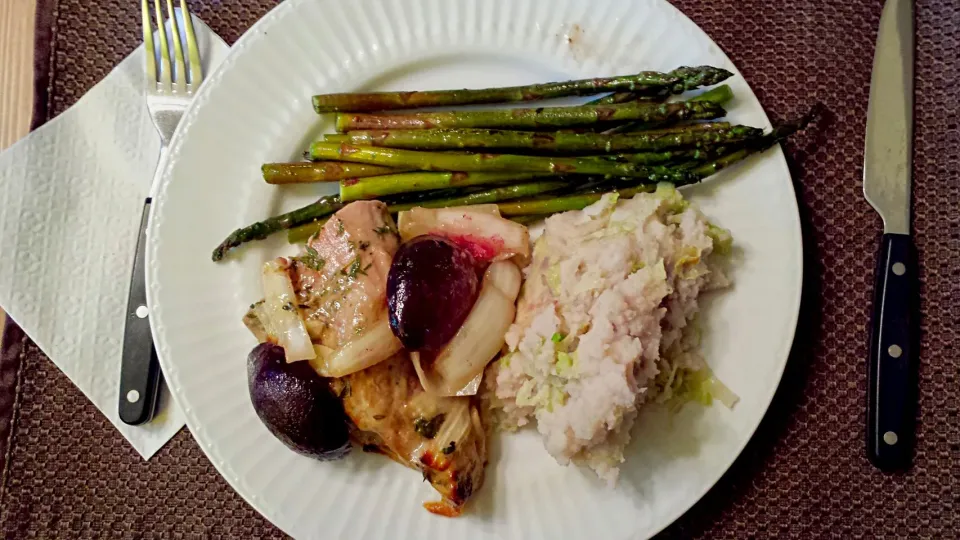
(296, 404)
(431, 288)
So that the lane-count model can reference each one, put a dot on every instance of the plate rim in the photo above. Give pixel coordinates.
(250, 36)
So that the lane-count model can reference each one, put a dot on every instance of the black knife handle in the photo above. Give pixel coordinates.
(892, 368)
(139, 370)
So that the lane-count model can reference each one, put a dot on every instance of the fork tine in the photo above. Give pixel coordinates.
(180, 84)
(148, 52)
(164, 49)
(193, 50)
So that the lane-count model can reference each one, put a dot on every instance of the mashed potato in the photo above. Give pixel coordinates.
(604, 324)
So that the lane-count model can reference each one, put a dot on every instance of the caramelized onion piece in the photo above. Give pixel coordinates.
(280, 315)
(372, 347)
(486, 235)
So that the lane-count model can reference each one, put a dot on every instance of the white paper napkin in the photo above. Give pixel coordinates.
(71, 194)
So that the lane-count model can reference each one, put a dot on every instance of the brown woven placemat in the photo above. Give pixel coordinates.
(66, 473)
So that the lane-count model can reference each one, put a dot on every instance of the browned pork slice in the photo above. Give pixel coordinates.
(341, 279)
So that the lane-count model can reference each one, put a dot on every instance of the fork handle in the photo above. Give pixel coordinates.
(139, 368)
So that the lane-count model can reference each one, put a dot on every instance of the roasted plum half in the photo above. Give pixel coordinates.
(296, 404)
(431, 289)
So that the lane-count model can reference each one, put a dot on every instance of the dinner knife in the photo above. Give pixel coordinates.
(887, 172)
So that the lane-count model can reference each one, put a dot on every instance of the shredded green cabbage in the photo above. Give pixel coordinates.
(659, 271)
(689, 256)
(553, 279)
(557, 398)
(674, 203)
(722, 240)
(525, 396)
(540, 247)
(564, 364)
(613, 228)
(699, 386)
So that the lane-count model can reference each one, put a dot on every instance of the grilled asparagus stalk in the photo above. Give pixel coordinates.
(554, 142)
(318, 171)
(538, 118)
(679, 80)
(440, 161)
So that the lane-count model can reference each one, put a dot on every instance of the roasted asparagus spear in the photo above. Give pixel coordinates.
(652, 82)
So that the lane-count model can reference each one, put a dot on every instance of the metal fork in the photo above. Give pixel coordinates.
(167, 98)
(168, 91)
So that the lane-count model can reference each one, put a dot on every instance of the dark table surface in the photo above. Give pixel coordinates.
(66, 473)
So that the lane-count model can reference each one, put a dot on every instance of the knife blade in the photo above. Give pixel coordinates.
(887, 177)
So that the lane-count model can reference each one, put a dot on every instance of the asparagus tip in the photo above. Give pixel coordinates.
(233, 240)
(698, 76)
(790, 127)
(814, 113)
(705, 70)
(219, 252)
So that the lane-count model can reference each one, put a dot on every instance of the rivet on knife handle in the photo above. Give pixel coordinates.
(892, 368)
(139, 369)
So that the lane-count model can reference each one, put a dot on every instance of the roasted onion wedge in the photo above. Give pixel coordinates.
(484, 233)
(456, 369)
(280, 315)
(372, 347)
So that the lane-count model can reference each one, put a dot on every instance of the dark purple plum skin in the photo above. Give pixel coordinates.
(296, 404)
(431, 287)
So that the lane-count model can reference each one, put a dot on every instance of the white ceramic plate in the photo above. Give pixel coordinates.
(256, 109)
